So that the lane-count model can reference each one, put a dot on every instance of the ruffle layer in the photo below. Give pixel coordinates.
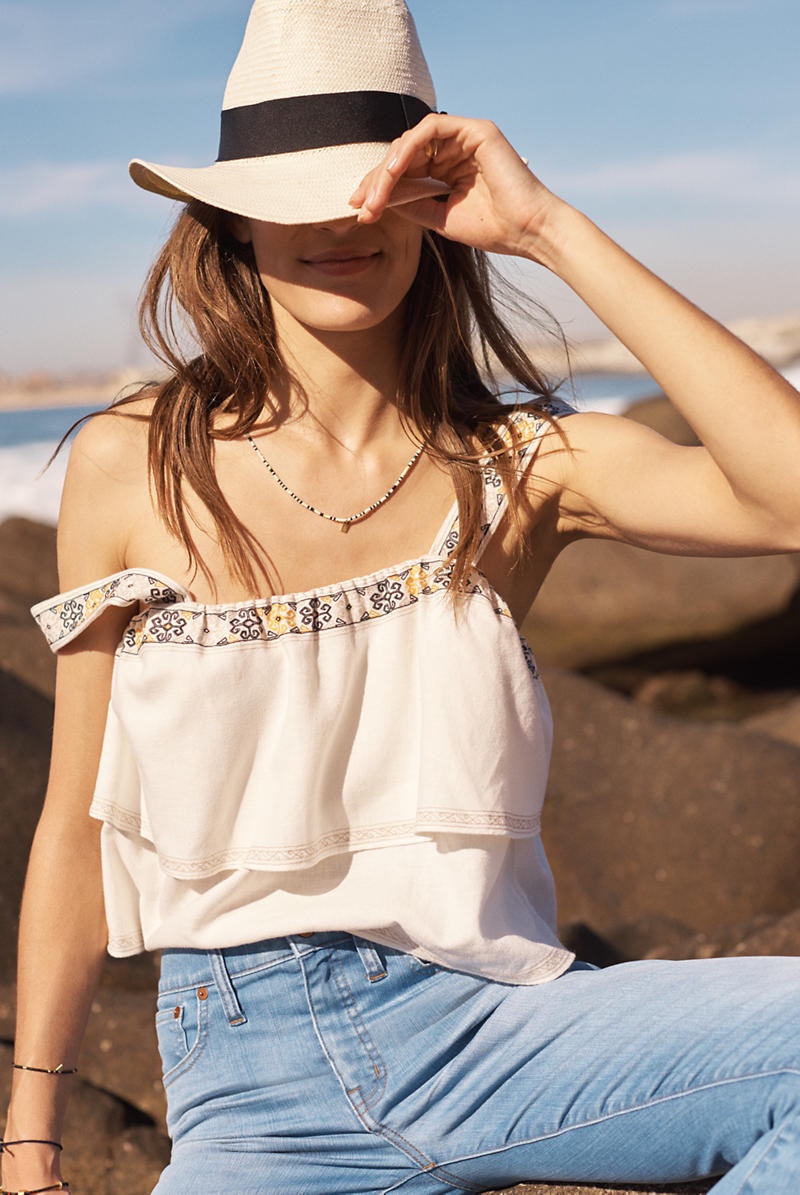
(277, 751)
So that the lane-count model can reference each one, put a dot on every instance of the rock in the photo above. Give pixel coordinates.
(590, 946)
(695, 695)
(569, 1189)
(28, 574)
(635, 939)
(25, 730)
(781, 723)
(781, 936)
(605, 601)
(121, 1026)
(648, 815)
(759, 936)
(138, 1156)
(660, 414)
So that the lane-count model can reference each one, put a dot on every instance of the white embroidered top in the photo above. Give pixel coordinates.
(357, 757)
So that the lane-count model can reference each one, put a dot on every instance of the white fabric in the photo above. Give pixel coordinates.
(361, 757)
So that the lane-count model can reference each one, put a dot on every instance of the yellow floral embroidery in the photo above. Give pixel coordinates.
(281, 618)
(417, 580)
(93, 600)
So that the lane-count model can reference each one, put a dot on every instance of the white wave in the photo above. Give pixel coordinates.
(27, 491)
(792, 374)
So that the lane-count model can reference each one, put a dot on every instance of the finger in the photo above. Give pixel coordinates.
(407, 153)
(435, 160)
(427, 213)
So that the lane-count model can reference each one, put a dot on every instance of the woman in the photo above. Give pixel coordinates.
(322, 806)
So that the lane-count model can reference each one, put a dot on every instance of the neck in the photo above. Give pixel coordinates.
(340, 385)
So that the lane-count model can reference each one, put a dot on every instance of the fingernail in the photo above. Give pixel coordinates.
(391, 165)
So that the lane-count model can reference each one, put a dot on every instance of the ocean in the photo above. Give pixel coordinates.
(29, 437)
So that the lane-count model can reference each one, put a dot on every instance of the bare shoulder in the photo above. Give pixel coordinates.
(106, 489)
(114, 438)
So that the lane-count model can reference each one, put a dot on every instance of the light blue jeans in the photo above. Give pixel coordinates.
(325, 1065)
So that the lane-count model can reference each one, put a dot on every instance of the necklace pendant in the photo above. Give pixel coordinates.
(345, 528)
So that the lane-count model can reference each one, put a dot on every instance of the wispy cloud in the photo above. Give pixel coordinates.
(43, 47)
(732, 177)
(35, 188)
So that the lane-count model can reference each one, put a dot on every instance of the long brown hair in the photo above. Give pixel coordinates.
(204, 285)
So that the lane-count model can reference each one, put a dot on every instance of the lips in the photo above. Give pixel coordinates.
(343, 253)
(342, 261)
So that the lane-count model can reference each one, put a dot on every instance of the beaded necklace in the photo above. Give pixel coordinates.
(346, 522)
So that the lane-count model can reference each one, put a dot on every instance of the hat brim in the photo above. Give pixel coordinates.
(294, 188)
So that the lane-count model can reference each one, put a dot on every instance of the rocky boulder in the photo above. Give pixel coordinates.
(782, 723)
(604, 602)
(663, 417)
(570, 1189)
(761, 935)
(25, 731)
(28, 574)
(649, 815)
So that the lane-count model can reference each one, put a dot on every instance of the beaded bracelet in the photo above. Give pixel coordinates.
(45, 1070)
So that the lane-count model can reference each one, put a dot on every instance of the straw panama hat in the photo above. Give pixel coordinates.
(318, 90)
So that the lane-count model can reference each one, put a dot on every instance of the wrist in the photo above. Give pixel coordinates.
(29, 1164)
(549, 242)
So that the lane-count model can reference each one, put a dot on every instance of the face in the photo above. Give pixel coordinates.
(340, 276)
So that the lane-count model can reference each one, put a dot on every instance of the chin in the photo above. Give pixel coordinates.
(347, 317)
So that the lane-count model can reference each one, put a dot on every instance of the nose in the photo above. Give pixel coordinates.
(338, 227)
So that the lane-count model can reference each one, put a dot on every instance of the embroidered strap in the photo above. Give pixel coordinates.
(62, 618)
(530, 425)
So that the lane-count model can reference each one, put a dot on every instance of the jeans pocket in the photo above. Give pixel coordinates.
(182, 1032)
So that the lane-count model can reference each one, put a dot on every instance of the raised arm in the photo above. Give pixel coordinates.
(62, 926)
(739, 492)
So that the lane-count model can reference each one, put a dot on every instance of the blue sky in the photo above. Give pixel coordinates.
(673, 123)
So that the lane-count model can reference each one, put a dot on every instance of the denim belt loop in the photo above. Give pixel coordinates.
(230, 1001)
(373, 963)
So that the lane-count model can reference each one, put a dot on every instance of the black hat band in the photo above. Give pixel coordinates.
(312, 121)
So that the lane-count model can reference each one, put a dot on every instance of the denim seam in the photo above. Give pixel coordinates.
(322, 1043)
(368, 1045)
(279, 962)
(231, 1007)
(196, 1050)
(435, 1171)
(585, 1124)
(760, 1159)
(187, 987)
(359, 1108)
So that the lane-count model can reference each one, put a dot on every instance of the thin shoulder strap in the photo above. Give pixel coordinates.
(530, 425)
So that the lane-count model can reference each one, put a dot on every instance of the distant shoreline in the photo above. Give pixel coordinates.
(776, 338)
